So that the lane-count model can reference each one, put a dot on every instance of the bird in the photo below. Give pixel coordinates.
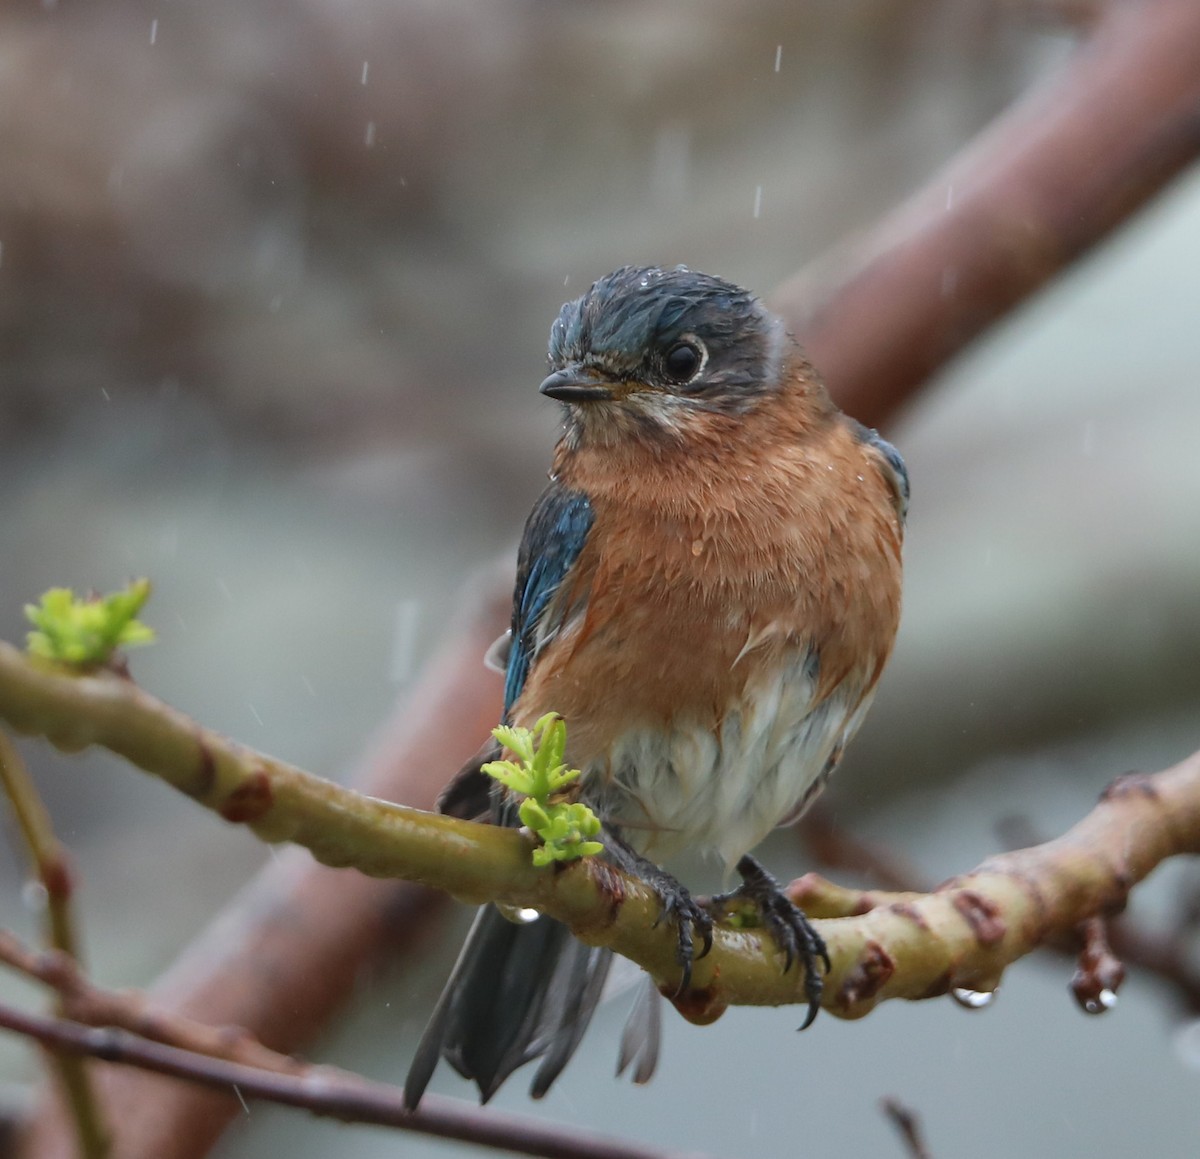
(707, 592)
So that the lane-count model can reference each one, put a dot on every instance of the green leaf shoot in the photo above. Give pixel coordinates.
(84, 632)
(538, 774)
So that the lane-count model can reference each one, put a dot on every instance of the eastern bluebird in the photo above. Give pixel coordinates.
(707, 592)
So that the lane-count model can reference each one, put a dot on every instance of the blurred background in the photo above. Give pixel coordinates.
(275, 286)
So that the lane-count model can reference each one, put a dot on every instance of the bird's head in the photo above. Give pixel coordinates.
(649, 353)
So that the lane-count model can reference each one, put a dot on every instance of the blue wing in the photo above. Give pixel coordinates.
(555, 533)
(890, 464)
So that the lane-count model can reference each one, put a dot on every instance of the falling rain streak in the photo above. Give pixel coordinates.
(757, 200)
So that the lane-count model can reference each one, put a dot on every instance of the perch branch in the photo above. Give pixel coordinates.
(962, 935)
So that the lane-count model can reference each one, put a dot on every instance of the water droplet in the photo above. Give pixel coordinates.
(973, 999)
(1103, 1001)
(758, 200)
(366, 70)
(369, 135)
(153, 31)
(778, 56)
(526, 915)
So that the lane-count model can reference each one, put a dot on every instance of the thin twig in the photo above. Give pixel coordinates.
(330, 1092)
(908, 1124)
(134, 1011)
(50, 865)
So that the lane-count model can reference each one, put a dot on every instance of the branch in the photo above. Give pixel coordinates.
(962, 935)
(329, 1092)
(284, 954)
(1050, 179)
(51, 864)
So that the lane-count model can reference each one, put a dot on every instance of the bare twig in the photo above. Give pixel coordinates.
(1100, 973)
(329, 1092)
(908, 1124)
(834, 847)
(51, 866)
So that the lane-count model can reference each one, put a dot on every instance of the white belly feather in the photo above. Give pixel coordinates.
(726, 789)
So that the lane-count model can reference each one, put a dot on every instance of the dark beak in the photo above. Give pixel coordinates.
(575, 384)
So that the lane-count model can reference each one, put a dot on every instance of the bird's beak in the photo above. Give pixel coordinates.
(576, 384)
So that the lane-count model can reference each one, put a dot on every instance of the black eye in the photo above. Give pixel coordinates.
(681, 362)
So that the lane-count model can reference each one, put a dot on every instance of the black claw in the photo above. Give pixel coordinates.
(791, 929)
(692, 920)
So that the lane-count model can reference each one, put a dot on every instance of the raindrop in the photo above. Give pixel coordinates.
(154, 31)
(366, 69)
(404, 640)
(949, 196)
(34, 897)
(254, 712)
(1101, 1002)
(757, 200)
(778, 56)
(369, 136)
(241, 1100)
(973, 999)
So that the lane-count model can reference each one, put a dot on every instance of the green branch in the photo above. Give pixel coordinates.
(963, 935)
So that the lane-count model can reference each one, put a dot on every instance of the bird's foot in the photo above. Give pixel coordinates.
(693, 922)
(788, 925)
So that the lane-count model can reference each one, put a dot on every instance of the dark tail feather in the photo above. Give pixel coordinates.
(642, 1034)
(517, 992)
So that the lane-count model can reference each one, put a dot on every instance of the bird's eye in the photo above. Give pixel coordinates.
(681, 362)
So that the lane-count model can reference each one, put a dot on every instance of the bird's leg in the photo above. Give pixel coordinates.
(692, 919)
(791, 929)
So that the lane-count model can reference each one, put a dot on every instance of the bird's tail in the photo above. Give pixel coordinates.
(518, 991)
